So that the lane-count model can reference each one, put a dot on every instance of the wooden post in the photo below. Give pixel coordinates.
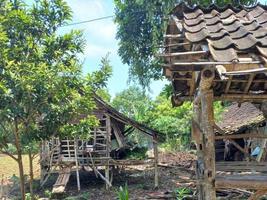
(77, 164)
(203, 129)
(155, 149)
(108, 125)
(264, 141)
(209, 146)
(107, 176)
(197, 136)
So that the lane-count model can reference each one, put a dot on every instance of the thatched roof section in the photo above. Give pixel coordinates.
(236, 119)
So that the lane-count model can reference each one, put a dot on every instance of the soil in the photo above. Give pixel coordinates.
(176, 173)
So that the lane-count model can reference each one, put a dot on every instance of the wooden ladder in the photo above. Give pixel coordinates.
(62, 181)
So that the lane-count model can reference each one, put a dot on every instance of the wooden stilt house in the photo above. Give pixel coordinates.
(217, 53)
(101, 152)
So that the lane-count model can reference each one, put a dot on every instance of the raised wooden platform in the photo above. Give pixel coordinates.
(236, 166)
(252, 181)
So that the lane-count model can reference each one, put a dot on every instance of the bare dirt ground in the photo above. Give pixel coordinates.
(176, 173)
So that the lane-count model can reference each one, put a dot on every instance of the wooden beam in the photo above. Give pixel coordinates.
(221, 131)
(245, 72)
(241, 80)
(206, 63)
(235, 166)
(182, 53)
(175, 44)
(239, 136)
(232, 97)
(250, 80)
(253, 181)
(173, 36)
(241, 149)
(244, 97)
(118, 135)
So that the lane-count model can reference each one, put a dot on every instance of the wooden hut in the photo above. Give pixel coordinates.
(217, 53)
(240, 123)
(102, 151)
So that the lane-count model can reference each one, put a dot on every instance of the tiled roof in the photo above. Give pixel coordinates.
(231, 41)
(227, 31)
(237, 118)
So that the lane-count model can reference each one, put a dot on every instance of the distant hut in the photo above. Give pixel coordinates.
(104, 149)
(243, 125)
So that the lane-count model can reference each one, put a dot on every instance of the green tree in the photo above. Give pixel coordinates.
(42, 88)
(141, 25)
(132, 102)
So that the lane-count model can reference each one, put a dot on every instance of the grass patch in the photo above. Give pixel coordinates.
(9, 167)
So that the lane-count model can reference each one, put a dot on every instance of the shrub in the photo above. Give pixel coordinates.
(123, 193)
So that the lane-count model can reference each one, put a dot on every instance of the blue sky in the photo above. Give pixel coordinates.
(100, 40)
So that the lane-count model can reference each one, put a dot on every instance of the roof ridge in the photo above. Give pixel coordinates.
(187, 8)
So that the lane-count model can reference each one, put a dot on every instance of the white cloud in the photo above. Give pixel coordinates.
(82, 9)
(94, 50)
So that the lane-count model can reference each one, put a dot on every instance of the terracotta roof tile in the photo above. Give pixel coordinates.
(223, 43)
(257, 11)
(215, 28)
(252, 25)
(225, 55)
(227, 13)
(198, 36)
(225, 29)
(194, 14)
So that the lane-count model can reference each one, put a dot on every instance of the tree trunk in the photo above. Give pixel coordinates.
(31, 173)
(21, 175)
(20, 164)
